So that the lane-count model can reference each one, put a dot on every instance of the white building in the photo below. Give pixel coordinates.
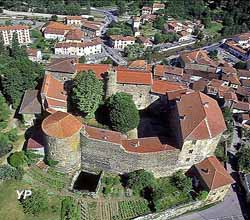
(91, 29)
(79, 49)
(23, 34)
(34, 54)
(120, 42)
(74, 21)
(157, 6)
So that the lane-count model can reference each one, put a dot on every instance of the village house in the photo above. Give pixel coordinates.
(30, 108)
(74, 21)
(150, 18)
(157, 6)
(120, 42)
(55, 30)
(146, 10)
(34, 55)
(136, 21)
(210, 176)
(91, 29)
(79, 49)
(169, 73)
(144, 41)
(75, 35)
(141, 65)
(53, 94)
(23, 34)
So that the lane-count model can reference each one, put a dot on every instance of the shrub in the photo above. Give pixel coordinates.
(69, 209)
(51, 162)
(12, 135)
(5, 145)
(7, 172)
(17, 159)
(182, 182)
(202, 195)
(36, 203)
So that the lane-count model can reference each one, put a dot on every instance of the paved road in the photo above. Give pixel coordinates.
(115, 55)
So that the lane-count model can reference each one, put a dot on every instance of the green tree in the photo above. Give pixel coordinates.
(16, 50)
(123, 113)
(159, 38)
(36, 203)
(213, 54)
(200, 35)
(4, 112)
(69, 209)
(240, 65)
(17, 159)
(243, 158)
(134, 51)
(54, 18)
(121, 7)
(87, 93)
(159, 23)
(82, 59)
(5, 145)
(3, 50)
(182, 182)
(140, 179)
(7, 172)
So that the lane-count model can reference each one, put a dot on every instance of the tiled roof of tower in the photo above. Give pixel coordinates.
(200, 117)
(213, 174)
(61, 125)
(145, 145)
(64, 65)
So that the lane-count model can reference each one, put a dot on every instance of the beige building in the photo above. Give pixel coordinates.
(22, 32)
(120, 42)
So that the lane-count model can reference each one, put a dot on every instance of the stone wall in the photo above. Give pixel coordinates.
(64, 150)
(100, 155)
(140, 93)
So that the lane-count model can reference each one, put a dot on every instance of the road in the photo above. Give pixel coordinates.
(169, 46)
(115, 55)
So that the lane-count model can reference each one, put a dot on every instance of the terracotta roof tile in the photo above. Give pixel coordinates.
(98, 69)
(84, 44)
(200, 85)
(75, 34)
(14, 27)
(33, 144)
(145, 145)
(200, 117)
(213, 174)
(160, 70)
(244, 106)
(122, 38)
(61, 125)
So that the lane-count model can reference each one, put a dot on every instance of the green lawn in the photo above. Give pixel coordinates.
(12, 210)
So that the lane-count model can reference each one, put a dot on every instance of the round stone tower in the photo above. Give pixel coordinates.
(111, 82)
(62, 140)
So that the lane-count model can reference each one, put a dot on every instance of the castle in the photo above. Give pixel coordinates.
(194, 119)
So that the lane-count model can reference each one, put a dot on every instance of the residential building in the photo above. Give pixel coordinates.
(53, 94)
(55, 30)
(79, 49)
(210, 175)
(34, 55)
(91, 28)
(22, 32)
(120, 42)
(157, 6)
(75, 35)
(144, 41)
(74, 21)
(30, 107)
(146, 10)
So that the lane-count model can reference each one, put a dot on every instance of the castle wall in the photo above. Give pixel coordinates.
(65, 151)
(100, 155)
(194, 151)
(140, 93)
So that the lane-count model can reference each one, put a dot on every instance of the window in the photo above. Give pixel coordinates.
(190, 151)
(194, 142)
(188, 159)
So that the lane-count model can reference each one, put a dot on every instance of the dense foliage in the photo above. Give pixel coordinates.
(7, 172)
(123, 113)
(120, 28)
(17, 159)
(87, 93)
(4, 112)
(69, 209)
(243, 157)
(36, 203)
(134, 51)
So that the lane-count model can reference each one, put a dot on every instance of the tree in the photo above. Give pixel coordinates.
(240, 65)
(87, 92)
(182, 182)
(159, 23)
(4, 112)
(3, 50)
(213, 54)
(7, 172)
(159, 38)
(140, 179)
(121, 7)
(54, 18)
(16, 50)
(36, 203)
(200, 35)
(123, 113)
(17, 159)
(5, 145)
(69, 209)
(82, 59)
(243, 158)
(134, 51)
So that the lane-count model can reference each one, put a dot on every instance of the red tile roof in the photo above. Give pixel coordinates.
(64, 65)
(33, 144)
(244, 106)
(165, 87)
(200, 117)
(103, 134)
(160, 70)
(74, 34)
(145, 145)
(61, 125)
(98, 69)
(122, 38)
(213, 174)
(84, 44)
(14, 27)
